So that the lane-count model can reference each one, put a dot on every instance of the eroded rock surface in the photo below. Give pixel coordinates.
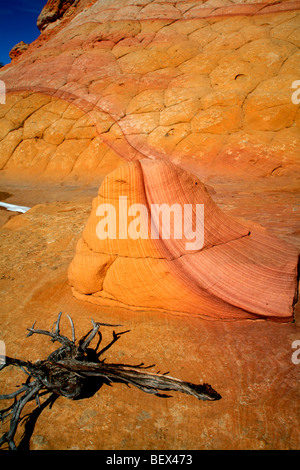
(18, 49)
(207, 86)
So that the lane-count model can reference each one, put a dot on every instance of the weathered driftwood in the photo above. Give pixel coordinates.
(73, 369)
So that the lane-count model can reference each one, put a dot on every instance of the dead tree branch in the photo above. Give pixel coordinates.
(70, 370)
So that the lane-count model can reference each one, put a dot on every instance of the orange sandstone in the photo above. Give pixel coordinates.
(238, 272)
(208, 87)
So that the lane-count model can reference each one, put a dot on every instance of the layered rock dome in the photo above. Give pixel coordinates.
(233, 272)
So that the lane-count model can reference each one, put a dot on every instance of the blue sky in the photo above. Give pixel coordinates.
(18, 23)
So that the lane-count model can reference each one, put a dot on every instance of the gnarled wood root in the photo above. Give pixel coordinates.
(70, 369)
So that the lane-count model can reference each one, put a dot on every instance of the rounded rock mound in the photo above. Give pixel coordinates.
(156, 240)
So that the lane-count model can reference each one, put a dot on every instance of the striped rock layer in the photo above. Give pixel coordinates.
(239, 272)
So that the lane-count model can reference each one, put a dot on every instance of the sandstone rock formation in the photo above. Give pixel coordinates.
(207, 86)
(212, 87)
(238, 272)
(18, 49)
(53, 11)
